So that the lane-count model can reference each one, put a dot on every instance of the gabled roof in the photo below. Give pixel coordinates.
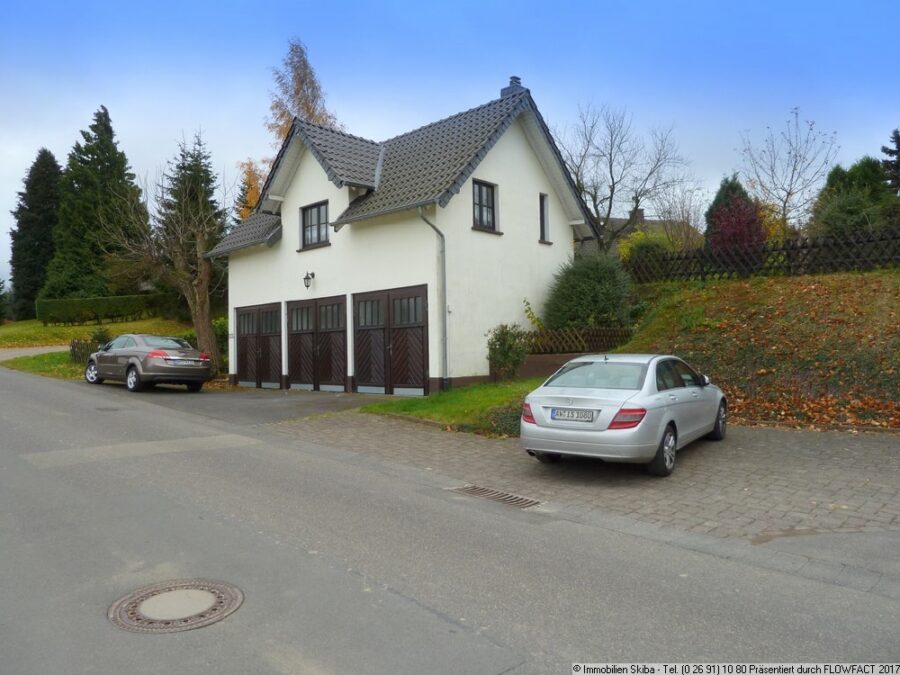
(258, 228)
(347, 159)
(430, 164)
(422, 167)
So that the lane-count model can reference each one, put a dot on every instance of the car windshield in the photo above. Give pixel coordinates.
(167, 343)
(600, 375)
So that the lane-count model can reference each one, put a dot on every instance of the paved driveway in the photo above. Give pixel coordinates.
(760, 484)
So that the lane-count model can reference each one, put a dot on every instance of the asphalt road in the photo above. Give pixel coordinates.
(350, 563)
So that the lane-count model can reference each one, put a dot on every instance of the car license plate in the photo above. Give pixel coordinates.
(184, 362)
(571, 415)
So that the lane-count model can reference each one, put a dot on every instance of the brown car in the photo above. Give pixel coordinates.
(140, 360)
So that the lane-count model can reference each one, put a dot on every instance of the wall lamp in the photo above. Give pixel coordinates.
(307, 280)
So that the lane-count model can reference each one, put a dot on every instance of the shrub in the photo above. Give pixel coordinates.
(639, 245)
(101, 335)
(589, 292)
(506, 350)
(503, 420)
(220, 328)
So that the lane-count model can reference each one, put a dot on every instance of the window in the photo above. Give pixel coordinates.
(269, 321)
(407, 311)
(666, 377)
(545, 217)
(370, 313)
(484, 203)
(686, 373)
(600, 375)
(120, 342)
(314, 225)
(301, 319)
(331, 317)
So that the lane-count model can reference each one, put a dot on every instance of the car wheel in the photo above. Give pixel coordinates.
(718, 432)
(547, 457)
(133, 380)
(664, 462)
(194, 386)
(91, 374)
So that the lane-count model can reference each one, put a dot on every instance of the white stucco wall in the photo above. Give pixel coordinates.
(389, 252)
(489, 275)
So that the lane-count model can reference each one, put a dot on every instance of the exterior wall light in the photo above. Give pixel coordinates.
(307, 280)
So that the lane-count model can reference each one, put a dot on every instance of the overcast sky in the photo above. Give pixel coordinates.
(711, 70)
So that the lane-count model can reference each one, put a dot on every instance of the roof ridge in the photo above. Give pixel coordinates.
(337, 131)
(520, 94)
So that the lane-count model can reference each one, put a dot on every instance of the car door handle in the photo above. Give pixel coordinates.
(695, 394)
(673, 397)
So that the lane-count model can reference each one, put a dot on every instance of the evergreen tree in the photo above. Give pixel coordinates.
(733, 219)
(96, 180)
(892, 163)
(32, 236)
(857, 200)
(4, 301)
(187, 222)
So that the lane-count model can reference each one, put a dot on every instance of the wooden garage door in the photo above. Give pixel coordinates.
(259, 346)
(391, 341)
(317, 344)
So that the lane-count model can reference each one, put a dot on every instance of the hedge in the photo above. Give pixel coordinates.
(83, 310)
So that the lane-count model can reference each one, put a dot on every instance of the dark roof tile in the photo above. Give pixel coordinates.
(258, 228)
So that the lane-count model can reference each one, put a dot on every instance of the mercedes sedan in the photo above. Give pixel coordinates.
(140, 360)
(636, 408)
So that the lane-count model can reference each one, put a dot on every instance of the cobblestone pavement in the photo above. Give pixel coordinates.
(758, 484)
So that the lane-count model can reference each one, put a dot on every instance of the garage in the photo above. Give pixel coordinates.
(317, 344)
(259, 346)
(391, 341)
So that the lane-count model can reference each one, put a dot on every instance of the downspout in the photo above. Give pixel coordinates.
(442, 254)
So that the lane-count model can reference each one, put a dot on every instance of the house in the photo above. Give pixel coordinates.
(380, 267)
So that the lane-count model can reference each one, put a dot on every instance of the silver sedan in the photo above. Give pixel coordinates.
(638, 408)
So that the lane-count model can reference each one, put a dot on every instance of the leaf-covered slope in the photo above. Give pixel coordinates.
(818, 350)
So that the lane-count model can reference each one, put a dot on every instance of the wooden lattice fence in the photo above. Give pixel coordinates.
(570, 340)
(821, 255)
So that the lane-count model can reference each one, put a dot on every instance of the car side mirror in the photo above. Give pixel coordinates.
(704, 380)
(105, 348)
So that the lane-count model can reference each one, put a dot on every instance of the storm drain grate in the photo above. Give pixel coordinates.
(497, 496)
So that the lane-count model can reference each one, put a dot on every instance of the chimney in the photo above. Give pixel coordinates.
(515, 86)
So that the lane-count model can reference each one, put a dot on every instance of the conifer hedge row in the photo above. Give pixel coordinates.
(84, 310)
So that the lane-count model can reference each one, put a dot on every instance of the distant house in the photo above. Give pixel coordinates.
(380, 266)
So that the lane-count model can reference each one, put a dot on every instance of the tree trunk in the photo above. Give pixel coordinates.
(196, 293)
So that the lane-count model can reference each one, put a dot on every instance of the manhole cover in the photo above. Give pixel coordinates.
(173, 606)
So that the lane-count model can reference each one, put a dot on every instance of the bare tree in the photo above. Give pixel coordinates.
(788, 167)
(298, 94)
(167, 234)
(679, 209)
(615, 169)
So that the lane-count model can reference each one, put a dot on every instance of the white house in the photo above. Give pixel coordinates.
(380, 267)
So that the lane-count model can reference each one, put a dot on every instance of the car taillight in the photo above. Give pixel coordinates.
(627, 418)
(204, 356)
(158, 354)
(527, 416)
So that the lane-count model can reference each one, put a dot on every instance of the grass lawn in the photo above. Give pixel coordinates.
(490, 408)
(54, 364)
(36, 334)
